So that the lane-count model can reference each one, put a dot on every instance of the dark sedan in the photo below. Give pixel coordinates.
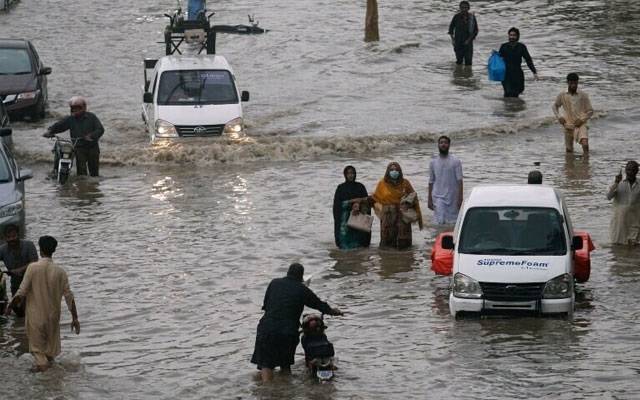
(23, 79)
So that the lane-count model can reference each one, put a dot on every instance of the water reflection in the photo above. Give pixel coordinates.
(463, 76)
(576, 169)
(354, 262)
(83, 188)
(393, 262)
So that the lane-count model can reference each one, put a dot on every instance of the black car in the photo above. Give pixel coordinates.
(23, 78)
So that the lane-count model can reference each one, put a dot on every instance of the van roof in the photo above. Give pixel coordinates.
(514, 195)
(202, 61)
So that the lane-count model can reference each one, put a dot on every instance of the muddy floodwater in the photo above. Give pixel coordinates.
(170, 251)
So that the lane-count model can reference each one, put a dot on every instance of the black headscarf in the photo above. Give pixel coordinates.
(345, 191)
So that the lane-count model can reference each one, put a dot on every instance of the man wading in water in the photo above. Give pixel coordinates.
(43, 287)
(463, 30)
(625, 224)
(577, 111)
(278, 336)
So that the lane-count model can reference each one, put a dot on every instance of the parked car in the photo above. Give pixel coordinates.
(23, 79)
(12, 177)
(192, 96)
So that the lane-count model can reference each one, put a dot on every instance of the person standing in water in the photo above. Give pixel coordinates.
(625, 223)
(463, 30)
(395, 231)
(445, 184)
(278, 330)
(17, 254)
(577, 111)
(43, 287)
(513, 52)
(350, 195)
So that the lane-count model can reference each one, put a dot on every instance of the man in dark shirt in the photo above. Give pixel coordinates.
(17, 254)
(463, 30)
(85, 131)
(277, 336)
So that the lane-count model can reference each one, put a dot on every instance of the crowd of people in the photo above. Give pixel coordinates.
(396, 204)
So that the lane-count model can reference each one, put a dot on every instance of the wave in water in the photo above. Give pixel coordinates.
(199, 151)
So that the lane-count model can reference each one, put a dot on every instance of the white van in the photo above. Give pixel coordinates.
(192, 96)
(513, 249)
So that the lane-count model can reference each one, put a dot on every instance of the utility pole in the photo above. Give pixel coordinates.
(371, 33)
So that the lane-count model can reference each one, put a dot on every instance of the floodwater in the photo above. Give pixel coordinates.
(170, 252)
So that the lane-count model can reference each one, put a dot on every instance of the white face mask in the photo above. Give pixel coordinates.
(394, 174)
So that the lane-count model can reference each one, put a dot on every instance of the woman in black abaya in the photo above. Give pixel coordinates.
(348, 195)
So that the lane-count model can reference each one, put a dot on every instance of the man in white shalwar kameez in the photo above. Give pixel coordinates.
(43, 286)
(445, 184)
(577, 110)
(625, 224)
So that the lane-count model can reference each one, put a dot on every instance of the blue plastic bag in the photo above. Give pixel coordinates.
(496, 67)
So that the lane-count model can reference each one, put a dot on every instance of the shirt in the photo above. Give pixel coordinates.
(283, 304)
(463, 28)
(26, 254)
(575, 106)
(445, 173)
(87, 124)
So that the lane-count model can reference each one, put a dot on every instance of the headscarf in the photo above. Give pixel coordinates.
(390, 192)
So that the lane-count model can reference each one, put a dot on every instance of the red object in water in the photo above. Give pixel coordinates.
(582, 257)
(441, 259)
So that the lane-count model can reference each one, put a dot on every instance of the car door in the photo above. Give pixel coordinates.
(148, 109)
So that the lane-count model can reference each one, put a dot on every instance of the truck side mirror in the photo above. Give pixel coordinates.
(25, 174)
(577, 243)
(245, 95)
(147, 97)
(5, 132)
(447, 242)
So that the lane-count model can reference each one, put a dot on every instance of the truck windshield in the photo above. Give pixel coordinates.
(14, 62)
(189, 87)
(513, 231)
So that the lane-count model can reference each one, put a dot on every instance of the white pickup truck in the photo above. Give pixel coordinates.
(192, 95)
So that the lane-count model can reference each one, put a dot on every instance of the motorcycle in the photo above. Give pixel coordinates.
(63, 155)
(318, 350)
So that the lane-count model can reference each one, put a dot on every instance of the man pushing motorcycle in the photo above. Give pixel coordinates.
(85, 130)
(278, 330)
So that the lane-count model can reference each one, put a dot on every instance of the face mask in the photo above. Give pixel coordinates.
(394, 174)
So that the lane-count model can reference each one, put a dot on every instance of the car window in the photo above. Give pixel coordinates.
(14, 62)
(513, 231)
(197, 87)
(35, 55)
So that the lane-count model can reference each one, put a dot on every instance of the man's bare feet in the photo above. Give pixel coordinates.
(39, 368)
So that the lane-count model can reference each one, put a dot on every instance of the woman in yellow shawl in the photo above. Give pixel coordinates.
(394, 230)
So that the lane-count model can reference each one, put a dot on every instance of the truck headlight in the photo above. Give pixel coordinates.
(28, 95)
(11, 209)
(234, 127)
(165, 129)
(466, 287)
(559, 287)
